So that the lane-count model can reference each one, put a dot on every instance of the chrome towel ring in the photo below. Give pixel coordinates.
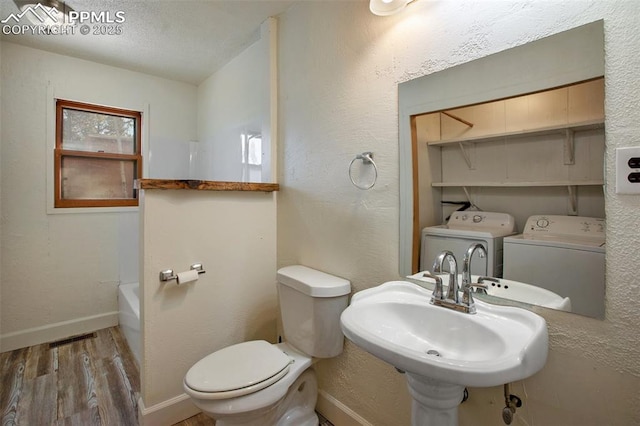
(367, 158)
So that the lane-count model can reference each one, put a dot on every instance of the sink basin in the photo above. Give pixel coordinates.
(514, 290)
(397, 323)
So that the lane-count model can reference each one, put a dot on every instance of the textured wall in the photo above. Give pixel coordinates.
(339, 70)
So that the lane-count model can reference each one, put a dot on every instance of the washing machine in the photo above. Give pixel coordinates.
(564, 254)
(463, 229)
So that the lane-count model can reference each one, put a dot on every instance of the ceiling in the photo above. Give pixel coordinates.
(184, 40)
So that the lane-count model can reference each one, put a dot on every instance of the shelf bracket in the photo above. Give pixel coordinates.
(569, 148)
(466, 192)
(465, 155)
(455, 117)
(573, 200)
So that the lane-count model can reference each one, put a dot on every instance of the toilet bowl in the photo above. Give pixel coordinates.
(248, 403)
(256, 383)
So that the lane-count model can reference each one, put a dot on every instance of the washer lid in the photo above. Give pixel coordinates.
(236, 367)
(460, 232)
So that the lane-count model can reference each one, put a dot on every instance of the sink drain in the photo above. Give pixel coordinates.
(433, 352)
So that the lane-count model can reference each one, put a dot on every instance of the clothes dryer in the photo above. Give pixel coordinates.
(463, 229)
(564, 254)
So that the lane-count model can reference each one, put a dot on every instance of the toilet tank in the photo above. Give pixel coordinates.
(311, 302)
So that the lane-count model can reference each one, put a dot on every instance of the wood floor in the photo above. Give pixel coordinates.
(76, 383)
(89, 381)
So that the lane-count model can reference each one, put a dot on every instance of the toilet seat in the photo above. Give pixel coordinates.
(238, 370)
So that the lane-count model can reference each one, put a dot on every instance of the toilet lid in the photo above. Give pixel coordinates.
(239, 366)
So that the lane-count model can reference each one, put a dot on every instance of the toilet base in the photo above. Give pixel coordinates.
(297, 408)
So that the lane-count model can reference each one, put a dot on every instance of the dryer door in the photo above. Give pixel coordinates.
(433, 245)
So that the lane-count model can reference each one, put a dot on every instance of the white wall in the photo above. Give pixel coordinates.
(60, 271)
(339, 70)
(233, 235)
(235, 100)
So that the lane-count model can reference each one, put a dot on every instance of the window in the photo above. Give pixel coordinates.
(97, 155)
(251, 157)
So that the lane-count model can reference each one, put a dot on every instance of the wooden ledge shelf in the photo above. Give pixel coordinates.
(205, 185)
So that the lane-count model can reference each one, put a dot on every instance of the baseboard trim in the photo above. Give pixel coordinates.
(338, 413)
(167, 412)
(52, 332)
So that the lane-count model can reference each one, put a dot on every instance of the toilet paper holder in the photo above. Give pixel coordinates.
(169, 275)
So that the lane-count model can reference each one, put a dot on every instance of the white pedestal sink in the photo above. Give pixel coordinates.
(443, 350)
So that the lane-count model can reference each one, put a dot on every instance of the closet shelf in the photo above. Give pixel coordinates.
(517, 184)
(585, 125)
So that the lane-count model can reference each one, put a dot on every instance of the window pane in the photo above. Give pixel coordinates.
(97, 178)
(255, 150)
(251, 148)
(94, 132)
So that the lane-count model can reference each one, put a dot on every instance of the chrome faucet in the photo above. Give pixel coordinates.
(466, 263)
(467, 285)
(452, 300)
(452, 292)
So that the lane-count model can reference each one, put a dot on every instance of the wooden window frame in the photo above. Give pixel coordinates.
(60, 153)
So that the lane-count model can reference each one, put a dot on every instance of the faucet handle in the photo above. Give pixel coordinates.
(478, 288)
(437, 290)
(483, 286)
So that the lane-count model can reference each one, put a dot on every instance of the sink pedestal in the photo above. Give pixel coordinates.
(435, 403)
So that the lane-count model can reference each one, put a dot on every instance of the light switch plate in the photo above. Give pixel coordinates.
(626, 173)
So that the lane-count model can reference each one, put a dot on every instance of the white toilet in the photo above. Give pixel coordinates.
(261, 384)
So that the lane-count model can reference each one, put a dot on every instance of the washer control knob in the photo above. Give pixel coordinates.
(465, 217)
(542, 223)
(477, 218)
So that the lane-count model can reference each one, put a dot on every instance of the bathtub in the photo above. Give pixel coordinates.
(129, 316)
